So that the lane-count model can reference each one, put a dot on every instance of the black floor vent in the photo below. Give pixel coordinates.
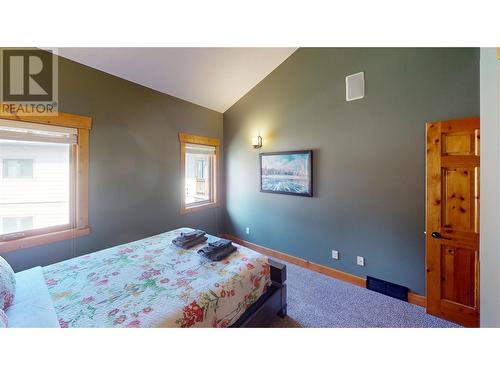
(387, 288)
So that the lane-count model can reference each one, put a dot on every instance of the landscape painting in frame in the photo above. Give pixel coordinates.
(287, 172)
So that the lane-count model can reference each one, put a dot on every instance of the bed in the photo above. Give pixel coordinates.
(151, 283)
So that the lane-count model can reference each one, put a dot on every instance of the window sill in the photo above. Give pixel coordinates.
(199, 207)
(42, 239)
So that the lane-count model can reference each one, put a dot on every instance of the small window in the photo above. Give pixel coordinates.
(17, 168)
(199, 172)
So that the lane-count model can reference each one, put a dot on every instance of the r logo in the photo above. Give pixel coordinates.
(27, 75)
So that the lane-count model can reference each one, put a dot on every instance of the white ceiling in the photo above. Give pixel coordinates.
(215, 78)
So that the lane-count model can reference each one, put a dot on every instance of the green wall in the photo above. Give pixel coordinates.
(369, 160)
(134, 162)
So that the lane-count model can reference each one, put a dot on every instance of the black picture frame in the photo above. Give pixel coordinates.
(288, 190)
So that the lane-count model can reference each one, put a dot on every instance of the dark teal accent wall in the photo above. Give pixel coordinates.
(369, 160)
(134, 177)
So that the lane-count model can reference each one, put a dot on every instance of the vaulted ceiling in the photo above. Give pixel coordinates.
(215, 78)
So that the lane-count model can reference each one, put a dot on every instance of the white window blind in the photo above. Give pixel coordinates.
(199, 149)
(25, 131)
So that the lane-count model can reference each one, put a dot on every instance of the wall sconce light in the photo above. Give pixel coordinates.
(257, 142)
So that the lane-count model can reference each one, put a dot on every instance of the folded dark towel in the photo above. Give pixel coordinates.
(186, 239)
(189, 236)
(189, 244)
(192, 234)
(216, 254)
(220, 244)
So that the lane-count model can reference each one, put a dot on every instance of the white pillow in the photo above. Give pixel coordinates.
(3, 319)
(7, 284)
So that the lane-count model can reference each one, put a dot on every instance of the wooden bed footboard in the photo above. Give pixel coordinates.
(270, 304)
(278, 277)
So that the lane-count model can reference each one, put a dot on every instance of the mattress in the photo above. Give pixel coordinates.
(152, 283)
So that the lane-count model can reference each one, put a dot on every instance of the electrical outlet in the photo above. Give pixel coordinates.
(335, 254)
(247, 230)
(360, 261)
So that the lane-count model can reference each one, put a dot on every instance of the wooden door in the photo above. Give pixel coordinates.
(452, 223)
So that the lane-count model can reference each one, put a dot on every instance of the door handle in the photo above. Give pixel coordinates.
(436, 235)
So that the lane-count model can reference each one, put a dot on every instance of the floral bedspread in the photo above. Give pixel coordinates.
(152, 283)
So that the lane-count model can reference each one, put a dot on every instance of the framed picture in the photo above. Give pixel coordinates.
(288, 172)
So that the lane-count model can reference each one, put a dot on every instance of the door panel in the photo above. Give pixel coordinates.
(458, 270)
(459, 203)
(452, 222)
(459, 144)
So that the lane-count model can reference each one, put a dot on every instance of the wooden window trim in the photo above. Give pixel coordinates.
(67, 120)
(80, 153)
(42, 239)
(215, 172)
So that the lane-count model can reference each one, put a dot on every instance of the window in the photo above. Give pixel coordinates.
(199, 172)
(44, 184)
(17, 168)
(46, 198)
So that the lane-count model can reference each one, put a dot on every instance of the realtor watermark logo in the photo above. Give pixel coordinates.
(29, 81)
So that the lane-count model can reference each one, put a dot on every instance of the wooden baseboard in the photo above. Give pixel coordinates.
(413, 298)
(417, 299)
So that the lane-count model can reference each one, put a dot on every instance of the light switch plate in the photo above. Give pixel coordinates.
(335, 254)
(360, 261)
